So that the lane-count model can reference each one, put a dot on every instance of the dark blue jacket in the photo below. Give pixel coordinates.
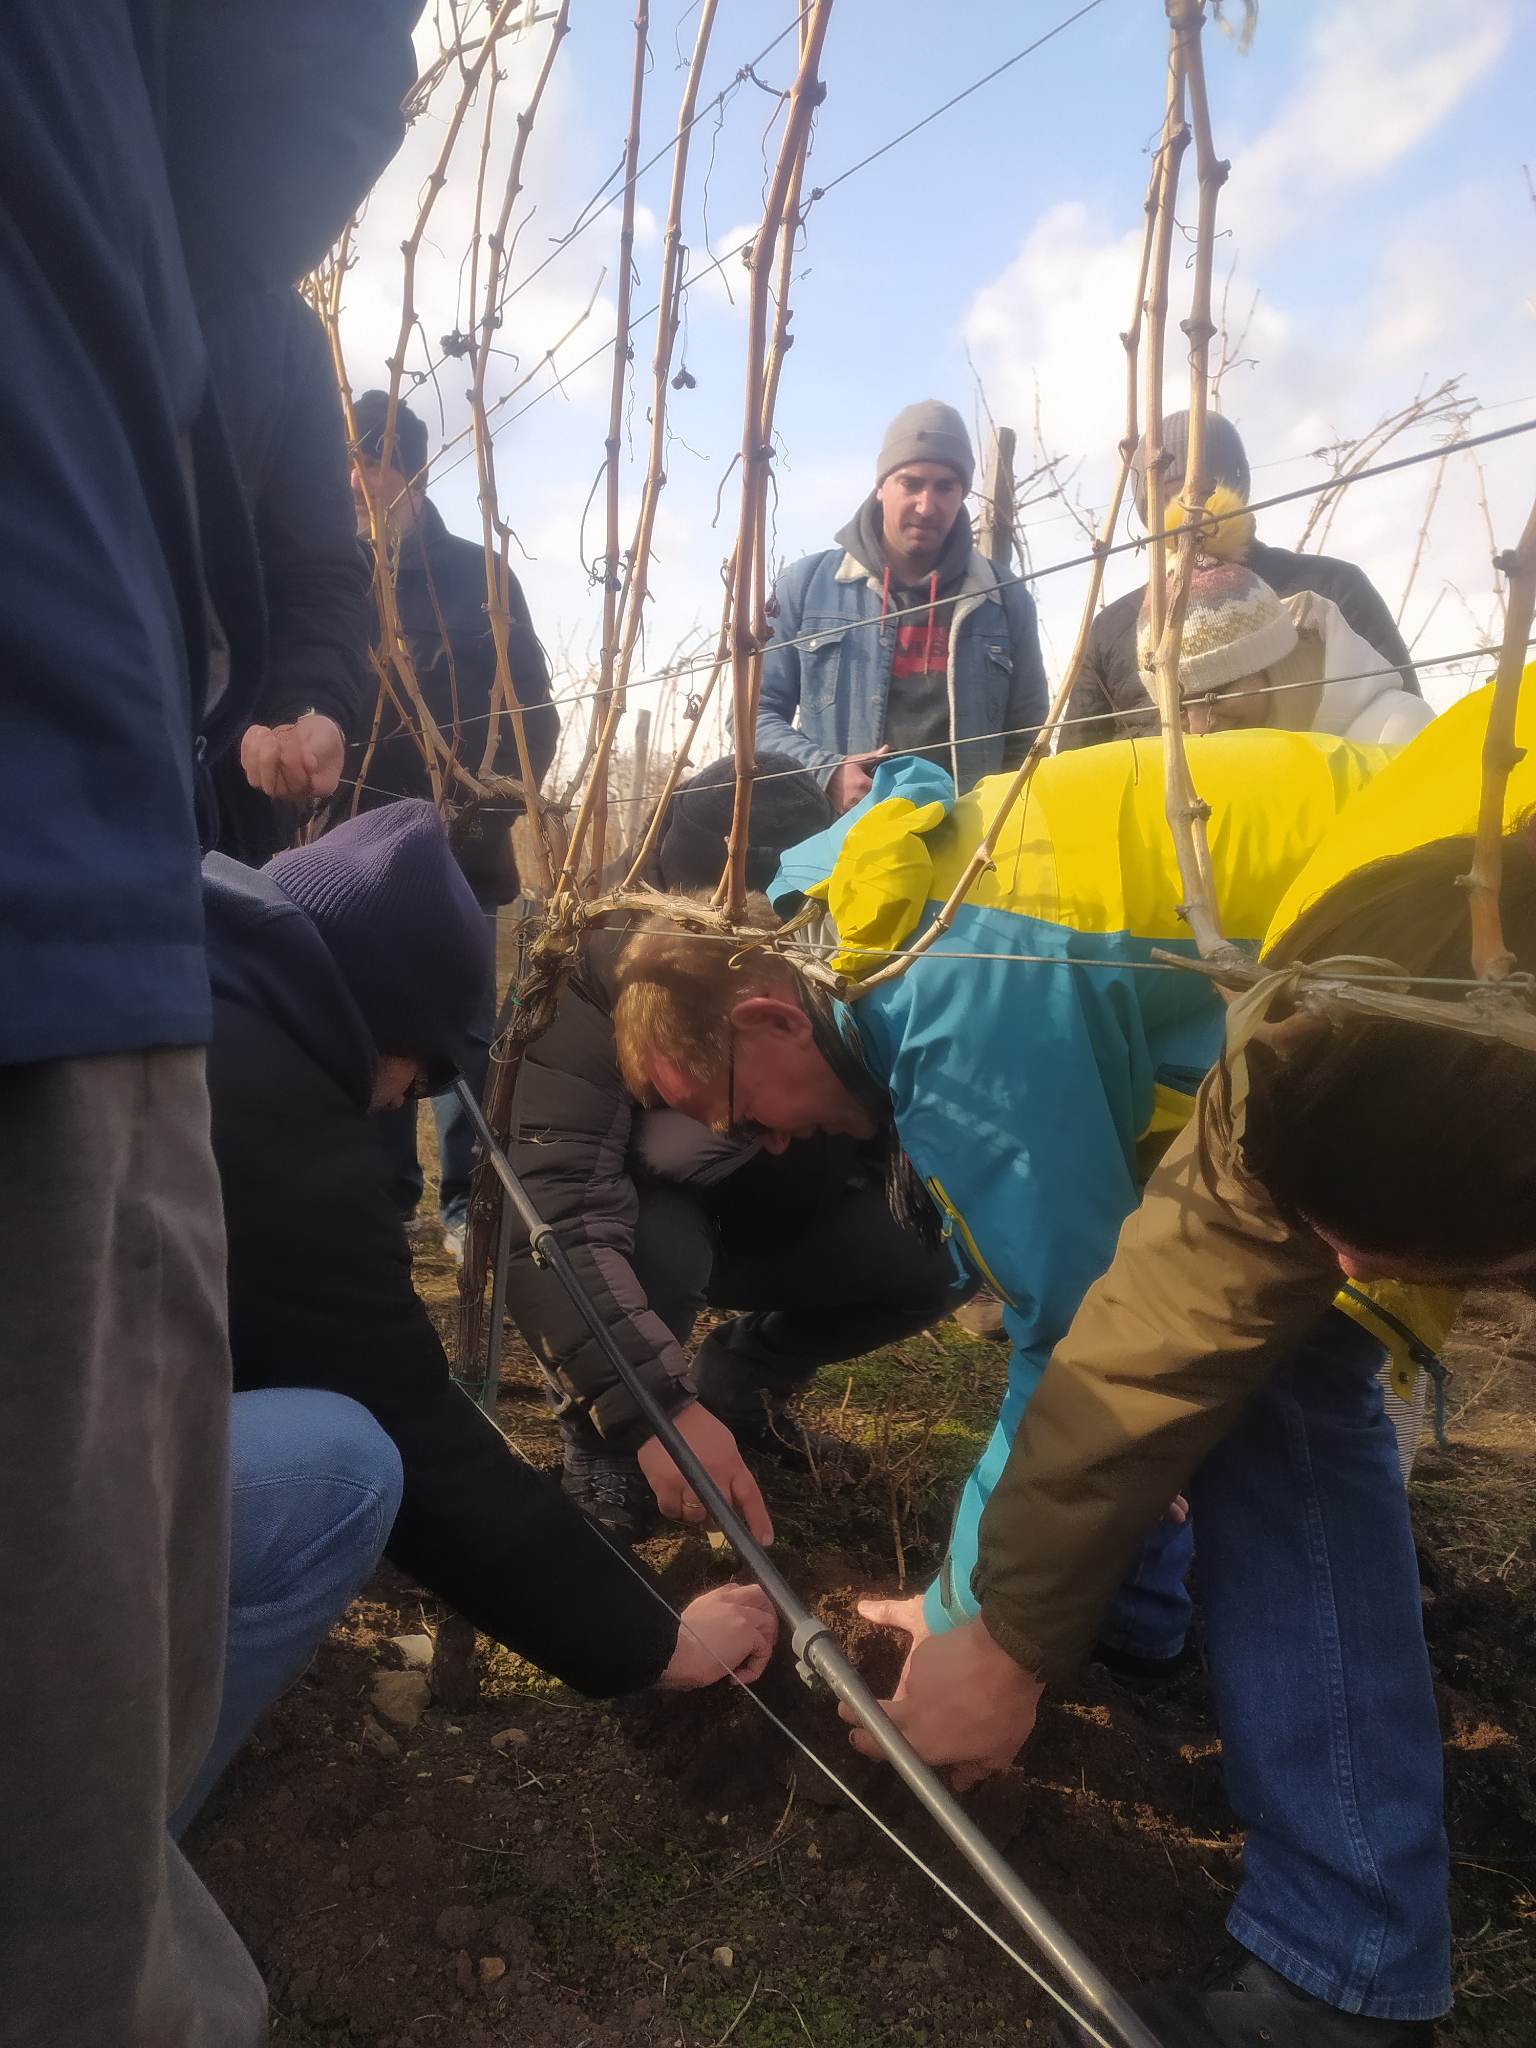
(113, 113)
(103, 648)
(321, 1295)
(440, 592)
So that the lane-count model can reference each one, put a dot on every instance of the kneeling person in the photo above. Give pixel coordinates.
(664, 1217)
(345, 976)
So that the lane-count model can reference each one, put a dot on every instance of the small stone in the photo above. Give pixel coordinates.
(464, 1972)
(453, 1728)
(492, 1969)
(723, 1957)
(377, 1738)
(510, 1738)
(812, 1853)
(400, 1698)
(415, 1651)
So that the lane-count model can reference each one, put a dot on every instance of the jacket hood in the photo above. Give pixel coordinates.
(266, 956)
(1363, 696)
(864, 538)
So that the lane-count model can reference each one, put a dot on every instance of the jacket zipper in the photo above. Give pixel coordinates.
(954, 1221)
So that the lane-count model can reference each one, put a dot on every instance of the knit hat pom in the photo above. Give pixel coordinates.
(1228, 542)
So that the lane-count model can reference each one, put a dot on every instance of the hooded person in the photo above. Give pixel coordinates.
(1251, 658)
(663, 1217)
(1110, 699)
(345, 976)
(903, 638)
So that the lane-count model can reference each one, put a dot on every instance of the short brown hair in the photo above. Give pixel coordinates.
(677, 989)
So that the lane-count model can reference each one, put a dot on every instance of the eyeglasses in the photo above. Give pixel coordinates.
(746, 1131)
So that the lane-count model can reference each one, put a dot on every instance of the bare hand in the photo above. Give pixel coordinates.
(960, 1699)
(729, 1632)
(716, 1447)
(298, 762)
(852, 780)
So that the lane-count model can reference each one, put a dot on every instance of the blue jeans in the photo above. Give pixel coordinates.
(314, 1489)
(455, 1137)
(1330, 1740)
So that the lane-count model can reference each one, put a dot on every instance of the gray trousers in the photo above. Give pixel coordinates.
(114, 1423)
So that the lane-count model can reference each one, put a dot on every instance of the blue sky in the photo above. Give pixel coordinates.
(1377, 204)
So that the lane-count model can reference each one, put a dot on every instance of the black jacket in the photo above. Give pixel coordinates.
(1110, 689)
(440, 590)
(320, 1295)
(579, 1142)
(271, 366)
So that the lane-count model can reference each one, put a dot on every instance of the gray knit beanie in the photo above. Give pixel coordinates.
(1225, 456)
(929, 431)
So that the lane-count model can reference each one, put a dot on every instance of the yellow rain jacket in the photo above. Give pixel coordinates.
(1209, 1290)
(1037, 1058)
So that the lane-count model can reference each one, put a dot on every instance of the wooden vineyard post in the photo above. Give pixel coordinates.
(995, 530)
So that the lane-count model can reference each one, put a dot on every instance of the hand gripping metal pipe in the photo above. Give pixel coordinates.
(817, 1649)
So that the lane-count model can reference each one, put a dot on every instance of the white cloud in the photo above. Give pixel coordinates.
(1381, 75)
(1343, 333)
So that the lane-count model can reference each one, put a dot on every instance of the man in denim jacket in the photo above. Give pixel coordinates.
(904, 638)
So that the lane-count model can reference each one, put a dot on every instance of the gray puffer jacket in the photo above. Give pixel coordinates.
(581, 1143)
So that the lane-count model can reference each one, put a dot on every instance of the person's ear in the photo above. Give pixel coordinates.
(668, 1080)
(777, 1015)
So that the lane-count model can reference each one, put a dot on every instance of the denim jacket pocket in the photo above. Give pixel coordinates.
(821, 668)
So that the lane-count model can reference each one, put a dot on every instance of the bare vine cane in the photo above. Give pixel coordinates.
(748, 603)
(1186, 812)
(392, 660)
(1491, 959)
(496, 531)
(986, 849)
(592, 812)
(637, 581)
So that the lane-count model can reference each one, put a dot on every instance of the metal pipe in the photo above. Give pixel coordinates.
(813, 1643)
(488, 1385)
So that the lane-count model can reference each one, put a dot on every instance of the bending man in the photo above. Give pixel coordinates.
(1032, 1084)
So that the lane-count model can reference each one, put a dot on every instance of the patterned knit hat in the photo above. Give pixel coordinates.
(1234, 626)
(387, 896)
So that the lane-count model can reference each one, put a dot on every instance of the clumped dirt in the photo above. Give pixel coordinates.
(668, 1873)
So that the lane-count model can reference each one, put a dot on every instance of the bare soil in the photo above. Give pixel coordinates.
(668, 1873)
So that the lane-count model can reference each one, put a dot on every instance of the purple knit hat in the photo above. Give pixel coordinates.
(392, 905)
